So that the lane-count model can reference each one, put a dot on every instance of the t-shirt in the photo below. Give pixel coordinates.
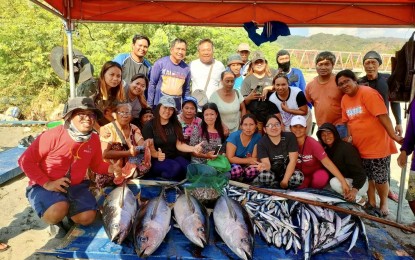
(168, 147)
(49, 157)
(229, 112)
(200, 73)
(243, 151)
(238, 83)
(296, 79)
(167, 78)
(360, 113)
(295, 100)
(196, 138)
(267, 149)
(130, 67)
(251, 82)
(326, 100)
(135, 103)
(309, 156)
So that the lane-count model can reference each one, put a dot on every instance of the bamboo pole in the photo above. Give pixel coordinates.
(324, 205)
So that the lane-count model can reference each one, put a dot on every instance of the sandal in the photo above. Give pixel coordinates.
(393, 196)
(369, 209)
(3, 247)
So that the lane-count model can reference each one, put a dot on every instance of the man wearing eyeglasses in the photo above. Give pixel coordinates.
(135, 62)
(56, 164)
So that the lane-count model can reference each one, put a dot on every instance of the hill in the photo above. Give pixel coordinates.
(341, 42)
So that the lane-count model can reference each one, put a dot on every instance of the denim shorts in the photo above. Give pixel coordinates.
(79, 197)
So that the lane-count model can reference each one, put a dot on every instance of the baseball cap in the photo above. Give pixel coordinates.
(167, 101)
(257, 55)
(243, 47)
(298, 120)
(235, 59)
(372, 55)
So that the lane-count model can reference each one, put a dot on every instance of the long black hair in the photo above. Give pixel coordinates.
(159, 130)
(218, 122)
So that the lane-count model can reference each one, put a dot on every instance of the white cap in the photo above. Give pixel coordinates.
(298, 120)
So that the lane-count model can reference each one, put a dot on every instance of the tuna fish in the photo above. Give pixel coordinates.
(192, 218)
(118, 213)
(152, 226)
(234, 226)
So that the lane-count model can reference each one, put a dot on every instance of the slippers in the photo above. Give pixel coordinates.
(3, 247)
(393, 196)
(369, 209)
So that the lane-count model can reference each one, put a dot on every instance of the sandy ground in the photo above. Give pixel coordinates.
(21, 228)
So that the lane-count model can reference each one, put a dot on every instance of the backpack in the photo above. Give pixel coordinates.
(400, 81)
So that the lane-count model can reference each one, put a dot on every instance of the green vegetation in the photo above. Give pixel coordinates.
(28, 33)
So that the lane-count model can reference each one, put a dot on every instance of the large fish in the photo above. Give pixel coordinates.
(118, 213)
(234, 226)
(192, 218)
(152, 226)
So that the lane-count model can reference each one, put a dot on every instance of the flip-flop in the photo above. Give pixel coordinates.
(393, 196)
(369, 209)
(383, 214)
(4, 247)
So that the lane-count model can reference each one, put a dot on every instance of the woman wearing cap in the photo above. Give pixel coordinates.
(188, 118)
(278, 153)
(120, 139)
(313, 160)
(57, 162)
(290, 101)
(229, 101)
(235, 64)
(363, 109)
(105, 90)
(347, 159)
(134, 93)
(241, 150)
(146, 114)
(166, 132)
(255, 85)
(210, 132)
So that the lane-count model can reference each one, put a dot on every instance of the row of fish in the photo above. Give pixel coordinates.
(152, 222)
(295, 226)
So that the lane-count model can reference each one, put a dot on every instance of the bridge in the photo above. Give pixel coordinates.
(305, 59)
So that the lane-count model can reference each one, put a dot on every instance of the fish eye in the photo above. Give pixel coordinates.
(115, 225)
(201, 229)
(245, 240)
(143, 239)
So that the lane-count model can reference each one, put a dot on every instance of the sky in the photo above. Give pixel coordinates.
(360, 32)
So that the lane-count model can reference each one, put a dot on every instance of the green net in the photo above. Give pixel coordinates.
(205, 183)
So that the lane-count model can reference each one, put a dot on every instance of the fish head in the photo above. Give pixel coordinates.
(197, 231)
(243, 244)
(148, 241)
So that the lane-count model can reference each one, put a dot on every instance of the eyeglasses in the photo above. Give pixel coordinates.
(345, 82)
(124, 113)
(84, 116)
(276, 125)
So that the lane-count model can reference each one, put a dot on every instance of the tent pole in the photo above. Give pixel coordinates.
(403, 171)
(70, 59)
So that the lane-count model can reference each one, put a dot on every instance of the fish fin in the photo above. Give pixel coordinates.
(189, 201)
(153, 214)
(122, 195)
(230, 208)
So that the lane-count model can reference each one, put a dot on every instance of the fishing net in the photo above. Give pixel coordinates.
(205, 183)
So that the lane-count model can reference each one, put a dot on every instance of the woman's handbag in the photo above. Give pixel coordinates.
(220, 163)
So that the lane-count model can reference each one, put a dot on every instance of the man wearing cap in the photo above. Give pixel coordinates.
(235, 64)
(135, 62)
(205, 71)
(57, 162)
(379, 81)
(322, 92)
(244, 51)
(170, 76)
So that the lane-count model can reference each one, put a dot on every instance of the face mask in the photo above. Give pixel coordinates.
(284, 66)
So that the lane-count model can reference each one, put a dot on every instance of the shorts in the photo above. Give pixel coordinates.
(410, 193)
(79, 197)
(377, 169)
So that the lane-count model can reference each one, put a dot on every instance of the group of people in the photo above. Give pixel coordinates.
(177, 114)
